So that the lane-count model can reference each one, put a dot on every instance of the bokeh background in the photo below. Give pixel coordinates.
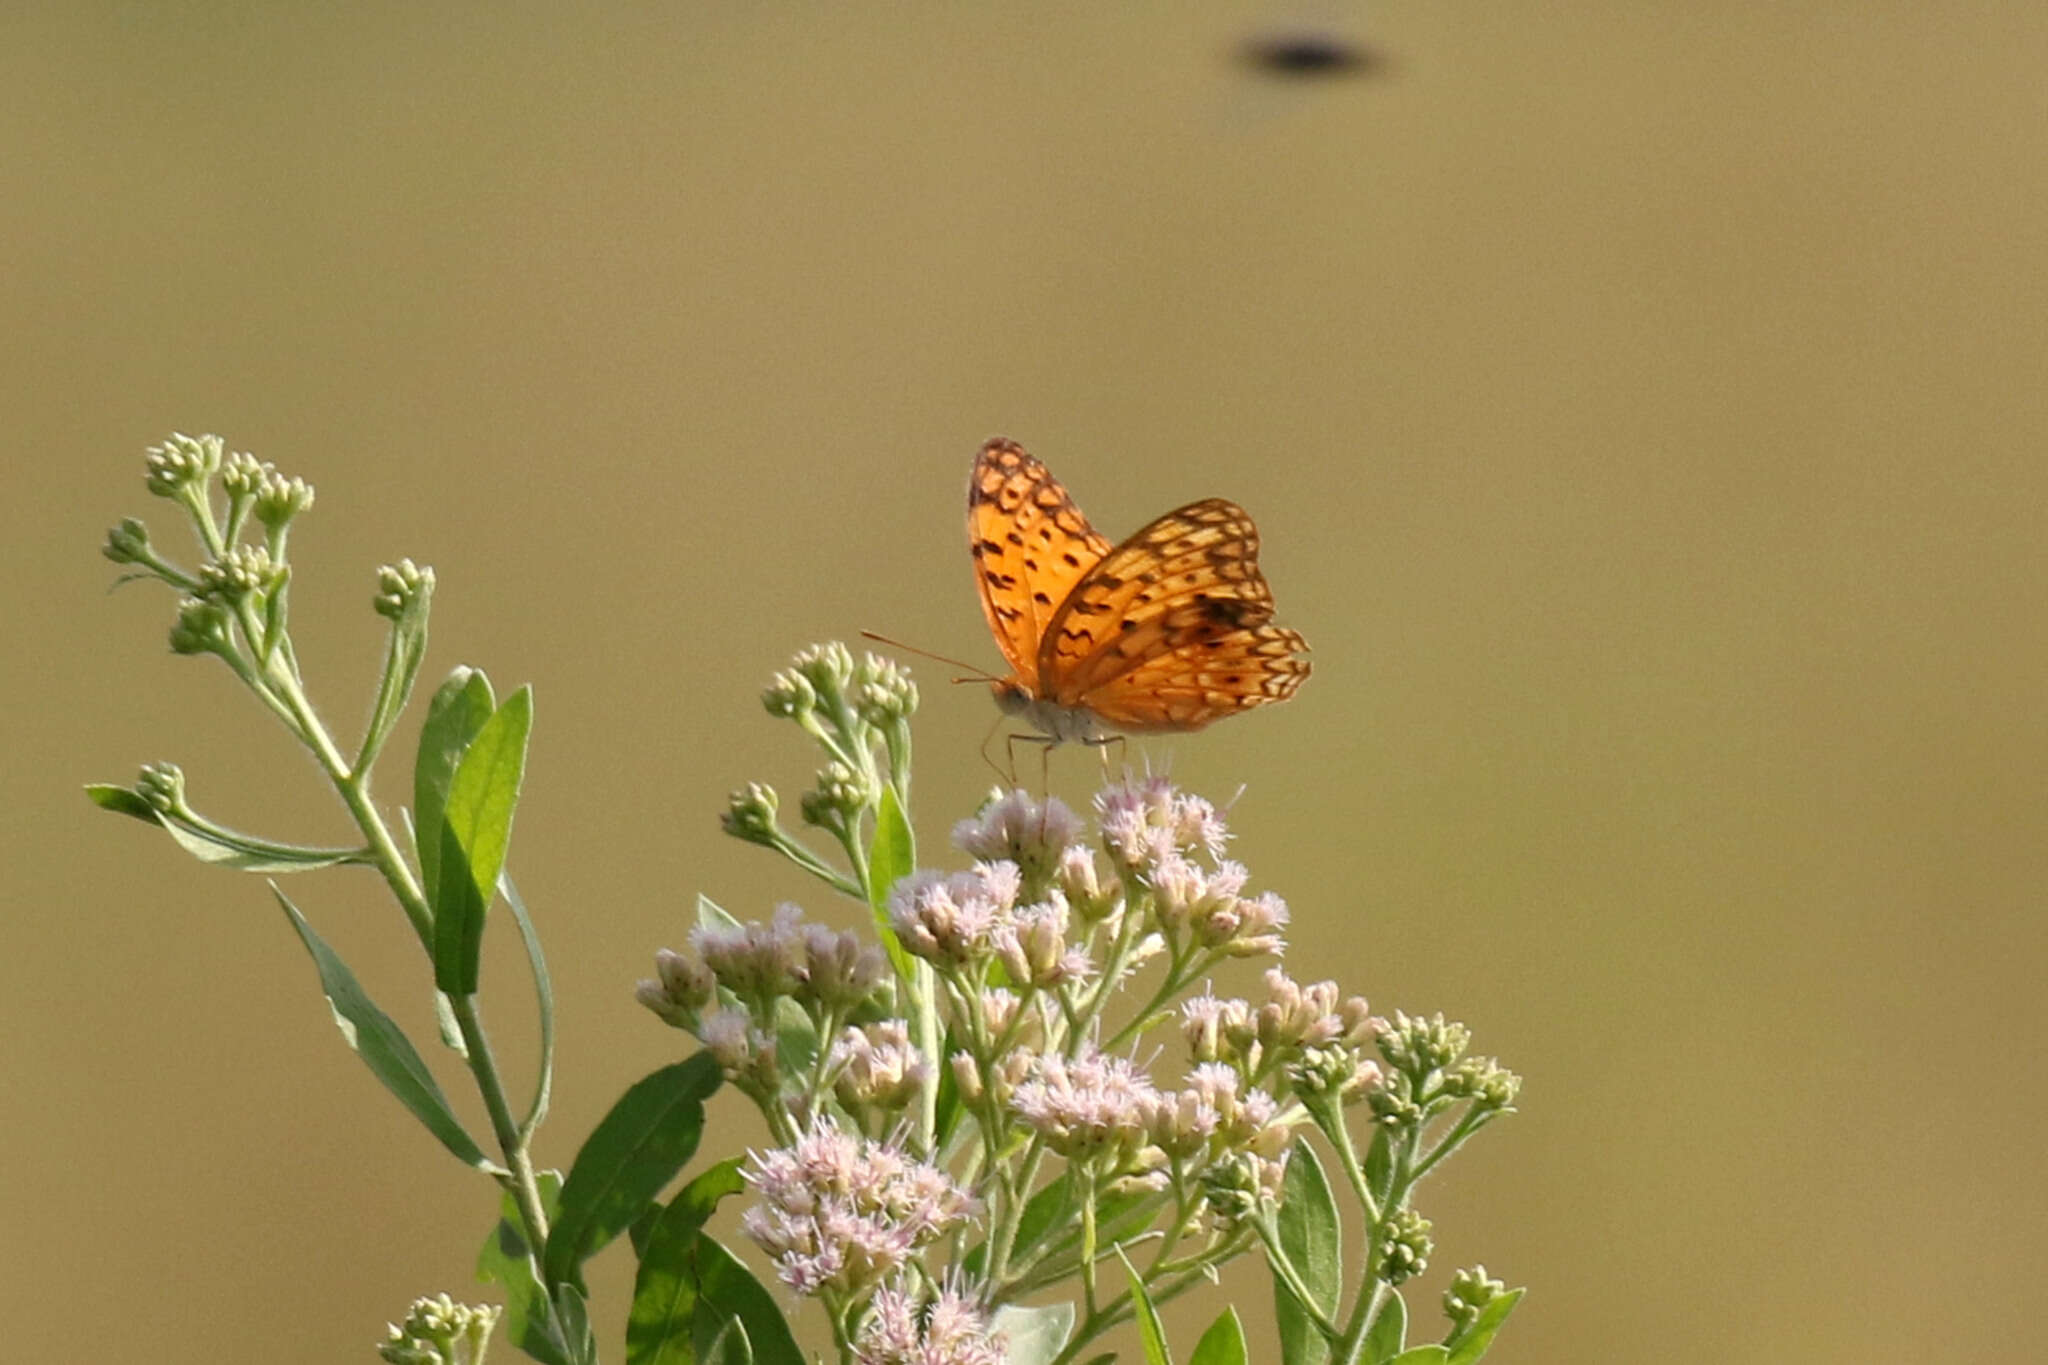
(1644, 407)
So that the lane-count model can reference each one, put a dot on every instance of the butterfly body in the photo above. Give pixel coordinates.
(1167, 631)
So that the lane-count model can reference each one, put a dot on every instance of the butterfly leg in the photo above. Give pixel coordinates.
(1045, 743)
(1101, 746)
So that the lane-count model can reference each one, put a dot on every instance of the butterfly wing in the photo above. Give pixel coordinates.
(1186, 688)
(1031, 546)
(1171, 629)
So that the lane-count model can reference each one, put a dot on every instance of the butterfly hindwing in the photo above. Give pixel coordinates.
(1031, 547)
(1186, 688)
(1187, 581)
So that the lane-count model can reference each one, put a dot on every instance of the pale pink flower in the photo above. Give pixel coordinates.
(951, 1330)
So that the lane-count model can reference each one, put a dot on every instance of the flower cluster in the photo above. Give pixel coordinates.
(949, 1330)
(440, 1331)
(842, 1213)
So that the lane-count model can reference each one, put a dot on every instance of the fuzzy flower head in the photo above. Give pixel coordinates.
(1012, 827)
(756, 961)
(951, 920)
(842, 1212)
(878, 1069)
(950, 1330)
(1145, 819)
(1032, 946)
(1092, 1108)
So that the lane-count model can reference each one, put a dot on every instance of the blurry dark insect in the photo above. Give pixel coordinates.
(1309, 56)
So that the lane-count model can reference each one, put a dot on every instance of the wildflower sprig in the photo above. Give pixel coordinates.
(977, 1150)
(1049, 966)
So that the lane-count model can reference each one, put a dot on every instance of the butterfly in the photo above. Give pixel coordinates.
(1169, 630)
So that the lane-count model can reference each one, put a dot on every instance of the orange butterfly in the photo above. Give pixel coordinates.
(1167, 631)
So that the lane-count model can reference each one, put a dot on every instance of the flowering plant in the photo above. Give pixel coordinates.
(974, 1157)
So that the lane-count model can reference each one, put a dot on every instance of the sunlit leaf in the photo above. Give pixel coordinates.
(661, 1327)
(1311, 1238)
(1151, 1331)
(1223, 1343)
(1472, 1343)
(1035, 1335)
(476, 829)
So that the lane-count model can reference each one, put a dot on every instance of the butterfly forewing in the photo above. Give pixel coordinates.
(1031, 547)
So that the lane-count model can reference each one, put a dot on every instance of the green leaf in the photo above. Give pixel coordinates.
(1432, 1354)
(661, 1327)
(891, 857)
(1379, 1165)
(635, 1150)
(1389, 1330)
(218, 846)
(544, 992)
(476, 829)
(1151, 1331)
(458, 710)
(507, 1260)
(730, 1346)
(1223, 1343)
(1311, 1239)
(796, 1038)
(711, 916)
(120, 800)
(730, 1288)
(947, 1111)
(573, 1315)
(1036, 1335)
(1472, 1344)
(382, 1045)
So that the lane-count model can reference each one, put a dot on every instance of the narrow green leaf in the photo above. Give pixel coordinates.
(1472, 1344)
(635, 1150)
(457, 712)
(1379, 1164)
(728, 1287)
(660, 1328)
(544, 993)
(382, 1045)
(946, 1113)
(796, 1038)
(1311, 1239)
(572, 1313)
(1151, 1331)
(220, 847)
(120, 800)
(1432, 1354)
(1389, 1330)
(711, 916)
(1036, 1335)
(506, 1260)
(1223, 1343)
(891, 857)
(476, 829)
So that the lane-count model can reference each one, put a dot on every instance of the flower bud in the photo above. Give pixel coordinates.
(1470, 1292)
(682, 988)
(127, 543)
(1417, 1046)
(279, 499)
(1405, 1247)
(884, 693)
(750, 814)
(162, 785)
(241, 473)
(789, 694)
(242, 572)
(181, 462)
(440, 1331)
(840, 796)
(201, 628)
(401, 587)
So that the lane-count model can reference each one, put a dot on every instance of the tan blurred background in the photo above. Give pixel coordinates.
(1643, 406)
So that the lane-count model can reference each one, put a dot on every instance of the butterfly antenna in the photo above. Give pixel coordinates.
(979, 675)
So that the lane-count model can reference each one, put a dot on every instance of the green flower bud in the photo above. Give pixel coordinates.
(202, 628)
(886, 695)
(1416, 1047)
(1393, 1103)
(242, 475)
(827, 667)
(1405, 1247)
(440, 1331)
(841, 794)
(751, 814)
(162, 785)
(1470, 1292)
(181, 462)
(127, 543)
(242, 572)
(1232, 1188)
(1482, 1079)
(789, 694)
(279, 499)
(401, 587)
